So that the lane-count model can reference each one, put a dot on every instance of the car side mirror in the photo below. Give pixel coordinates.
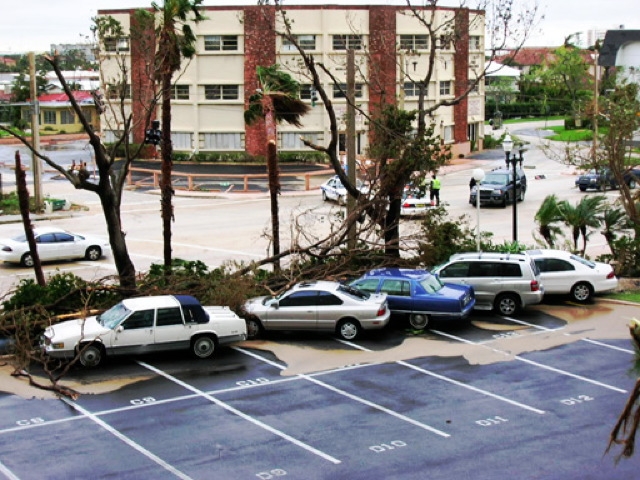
(275, 304)
(119, 328)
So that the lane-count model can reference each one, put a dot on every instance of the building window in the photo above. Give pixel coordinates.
(306, 42)
(293, 140)
(345, 42)
(412, 89)
(474, 88)
(445, 87)
(115, 92)
(180, 92)
(414, 42)
(67, 117)
(181, 140)
(444, 42)
(474, 42)
(222, 141)
(340, 90)
(216, 43)
(448, 133)
(50, 117)
(116, 44)
(221, 92)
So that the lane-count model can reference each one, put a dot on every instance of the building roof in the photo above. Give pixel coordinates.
(613, 40)
(528, 56)
(495, 69)
(61, 99)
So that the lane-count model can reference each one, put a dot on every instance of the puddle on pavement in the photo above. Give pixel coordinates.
(598, 321)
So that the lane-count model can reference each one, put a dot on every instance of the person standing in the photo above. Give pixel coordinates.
(434, 194)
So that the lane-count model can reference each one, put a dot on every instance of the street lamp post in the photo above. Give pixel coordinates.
(478, 176)
(512, 160)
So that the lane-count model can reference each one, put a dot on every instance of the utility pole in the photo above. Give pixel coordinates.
(351, 142)
(596, 52)
(35, 132)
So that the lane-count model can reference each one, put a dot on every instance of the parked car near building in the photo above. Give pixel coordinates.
(52, 244)
(603, 178)
(497, 188)
(144, 325)
(504, 282)
(565, 273)
(334, 190)
(418, 296)
(318, 306)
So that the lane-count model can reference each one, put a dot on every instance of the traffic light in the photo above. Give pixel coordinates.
(314, 97)
(98, 101)
(153, 135)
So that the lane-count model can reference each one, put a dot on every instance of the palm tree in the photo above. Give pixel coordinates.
(614, 219)
(546, 216)
(176, 41)
(585, 214)
(277, 100)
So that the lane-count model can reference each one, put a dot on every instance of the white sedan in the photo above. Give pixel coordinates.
(414, 202)
(52, 244)
(563, 272)
(333, 189)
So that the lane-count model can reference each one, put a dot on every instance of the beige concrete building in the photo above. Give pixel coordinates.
(212, 90)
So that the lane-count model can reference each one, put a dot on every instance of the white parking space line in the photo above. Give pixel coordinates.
(200, 247)
(242, 415)
(531, 362)
(126, 440)
(455, 382)
(351, 396)
(8, 473)
(588, 340)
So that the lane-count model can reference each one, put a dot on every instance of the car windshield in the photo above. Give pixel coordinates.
(583, 261)
(354, 292)
(432, 284)
(114, 316)
(496, 179)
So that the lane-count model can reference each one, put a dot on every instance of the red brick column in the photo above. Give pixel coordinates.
(382, 49)
(259, 50)
(143, 46)
(461, 81)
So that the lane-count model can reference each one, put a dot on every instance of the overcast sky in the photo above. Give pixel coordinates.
(36, 24)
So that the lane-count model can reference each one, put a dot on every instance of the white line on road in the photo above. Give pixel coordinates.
(349, 395)
(8, 473)
(455, 382)
(531, 362)
(243, 415)
(126, 440)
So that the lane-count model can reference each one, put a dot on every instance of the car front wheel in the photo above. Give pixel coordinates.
(582, 188)
(506, 304)
(92, 355)
(581, 292)
(93, 253)
(27, 260)
(254, 328)
(324, 196)
(419, 321)
(348, 329)
(203, 346)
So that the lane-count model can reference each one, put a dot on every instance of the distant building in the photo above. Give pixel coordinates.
(87, 49)
(56, 114)
(621, 48)
(212, 91)
(501, 82)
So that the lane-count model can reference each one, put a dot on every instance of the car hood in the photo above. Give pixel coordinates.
(73, 329)
(254, 304)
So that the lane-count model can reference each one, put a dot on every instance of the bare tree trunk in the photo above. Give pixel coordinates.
(166, 190)
(23, 198)
(274, 175)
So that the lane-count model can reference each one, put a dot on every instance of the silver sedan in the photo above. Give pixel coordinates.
(318, 306)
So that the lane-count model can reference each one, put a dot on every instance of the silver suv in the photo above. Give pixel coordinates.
(504, 282)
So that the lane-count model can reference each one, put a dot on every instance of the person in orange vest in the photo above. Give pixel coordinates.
(434, 193)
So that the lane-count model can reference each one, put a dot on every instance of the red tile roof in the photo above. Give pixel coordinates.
(79, 95)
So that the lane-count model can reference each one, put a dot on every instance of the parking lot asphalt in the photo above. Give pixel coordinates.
(529, 397)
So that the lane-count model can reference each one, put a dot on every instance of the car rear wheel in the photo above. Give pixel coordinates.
(419, 321)
(582, 188)
(342, 200)
(93, 253)
(348, 329)
(203, 346)
(506, 304)
(91, 355)
(521, 195)
(581, 292)
(632, 183)
(254, 328)
(27, 260)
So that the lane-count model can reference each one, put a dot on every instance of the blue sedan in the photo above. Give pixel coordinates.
(418, 295)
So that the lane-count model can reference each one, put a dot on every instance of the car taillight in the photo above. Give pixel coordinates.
(535, 286)
(406, 205)
(611, 275)
(382, 310)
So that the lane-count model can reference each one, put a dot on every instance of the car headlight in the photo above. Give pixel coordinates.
(497, 191)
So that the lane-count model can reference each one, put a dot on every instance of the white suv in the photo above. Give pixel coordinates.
(504, 282)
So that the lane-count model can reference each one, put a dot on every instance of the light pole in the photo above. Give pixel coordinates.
(478, 176)
(507, 145)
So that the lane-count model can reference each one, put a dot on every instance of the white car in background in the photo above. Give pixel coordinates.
(414, 202)
(563, 272)
(334, 190)
(52, 244)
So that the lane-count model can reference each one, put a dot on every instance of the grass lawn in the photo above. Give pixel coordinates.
(628, 296)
